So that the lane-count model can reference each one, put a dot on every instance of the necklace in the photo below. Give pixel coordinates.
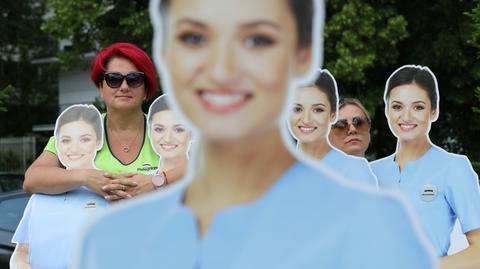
(126, 148)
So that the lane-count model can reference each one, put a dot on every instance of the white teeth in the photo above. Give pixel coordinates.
(169, 147)
(222, 99)
(407, 126)
(307, 129)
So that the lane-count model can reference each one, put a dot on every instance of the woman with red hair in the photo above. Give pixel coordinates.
(125, 77)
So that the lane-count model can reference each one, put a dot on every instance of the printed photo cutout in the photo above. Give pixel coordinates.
(169, 137)
(78, 135)
(443, 187)
(314, 110)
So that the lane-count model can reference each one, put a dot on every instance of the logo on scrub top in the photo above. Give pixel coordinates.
(428, 193)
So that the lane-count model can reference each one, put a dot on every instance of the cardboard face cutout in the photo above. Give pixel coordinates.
(78, 136)
(411, 108)
(168, 135)
(314, 110)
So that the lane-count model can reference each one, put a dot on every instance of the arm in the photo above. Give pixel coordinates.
(468, 258)
(129, 185)
(19, 258)
(46, 175)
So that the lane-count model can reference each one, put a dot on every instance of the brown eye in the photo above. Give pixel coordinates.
(297, 109)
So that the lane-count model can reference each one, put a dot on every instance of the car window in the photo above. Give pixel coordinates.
(10, 182)
(11, 211)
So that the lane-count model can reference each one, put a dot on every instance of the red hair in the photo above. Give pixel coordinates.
(132, 53)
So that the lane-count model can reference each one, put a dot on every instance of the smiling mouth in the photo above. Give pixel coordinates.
(224, 100)
(306, 130)
(74, 157)
(407, 127)
(168, 147)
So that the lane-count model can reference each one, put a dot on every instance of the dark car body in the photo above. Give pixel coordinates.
(10, 181)
(12, 205)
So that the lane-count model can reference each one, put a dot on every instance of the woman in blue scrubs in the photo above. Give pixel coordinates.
(314, 110)
(441, 186)
(227, 66)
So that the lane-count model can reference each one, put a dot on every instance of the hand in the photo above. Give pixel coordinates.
(144, 185)
(118, 185)
(95, 180)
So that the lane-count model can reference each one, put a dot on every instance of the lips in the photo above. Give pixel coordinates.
(223, 101)
(306, 129)
(407, 127)
(353, 141)
(75, 157)
(168, 147)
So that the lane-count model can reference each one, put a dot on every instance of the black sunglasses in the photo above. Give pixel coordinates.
(341, 127)
(115, 79)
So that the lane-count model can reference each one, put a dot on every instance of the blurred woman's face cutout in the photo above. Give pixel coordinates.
(170, 138)
(409, 112)
(230, 63)
(311, 117)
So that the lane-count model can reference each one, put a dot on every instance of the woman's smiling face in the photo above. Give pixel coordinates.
(77, 145)
(170, 137)
(311, 116)
(409, 112)
(231, 62)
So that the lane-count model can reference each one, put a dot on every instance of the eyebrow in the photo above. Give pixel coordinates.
(253, 24)
(191, 21)
(259, 23)
(319, 104)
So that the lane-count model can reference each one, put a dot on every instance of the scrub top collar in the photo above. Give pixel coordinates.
(278, 188)
(413, 165)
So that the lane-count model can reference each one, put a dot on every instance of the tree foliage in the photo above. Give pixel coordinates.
(33, 93)
(365, 41)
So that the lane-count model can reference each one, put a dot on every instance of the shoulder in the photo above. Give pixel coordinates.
(382, 162)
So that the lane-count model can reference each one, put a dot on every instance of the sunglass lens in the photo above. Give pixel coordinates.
(135, 80)
(113, 80)
(360, 124)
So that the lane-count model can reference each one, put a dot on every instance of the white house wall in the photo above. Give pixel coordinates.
(75, 87)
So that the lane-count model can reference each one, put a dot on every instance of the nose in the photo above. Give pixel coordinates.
(74, 146)
(168, 136)
(306, 117)
(221, 63)
(124, 85)
(351, 129)
(406, 115)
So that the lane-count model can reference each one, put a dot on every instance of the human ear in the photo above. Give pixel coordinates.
(333, 117)
(303, 62)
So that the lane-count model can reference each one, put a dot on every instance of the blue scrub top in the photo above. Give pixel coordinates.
(51, 225)
(305, 220)
(441, 186)
(350, 167)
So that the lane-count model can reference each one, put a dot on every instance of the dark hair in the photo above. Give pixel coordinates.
(414, 74)
(87, 113)
(344, 101)
(132, 53)
(160, 104)
(302, 11)
(326, 83)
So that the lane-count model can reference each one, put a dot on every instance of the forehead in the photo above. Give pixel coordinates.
(165, 117)
(226, 12)
(310, 95)
(79, 127)
(120, 64)
(409, 93)
(350, 111)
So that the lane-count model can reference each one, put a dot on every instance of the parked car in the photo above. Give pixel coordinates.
(12, 205)
(10, 181)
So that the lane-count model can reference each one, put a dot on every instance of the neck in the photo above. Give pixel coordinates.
(408, 151)
(316, 150)
(239, 171)
(171, 163)
(123, 120)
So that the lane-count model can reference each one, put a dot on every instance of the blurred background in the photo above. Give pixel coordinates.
(47, 47)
